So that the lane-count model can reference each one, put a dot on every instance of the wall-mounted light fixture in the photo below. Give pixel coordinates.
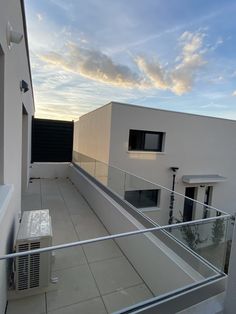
(13, 37)
(24, 87)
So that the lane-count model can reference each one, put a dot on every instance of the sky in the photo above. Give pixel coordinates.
(174, 54)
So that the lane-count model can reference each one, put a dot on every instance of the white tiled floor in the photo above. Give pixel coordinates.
(94, 278)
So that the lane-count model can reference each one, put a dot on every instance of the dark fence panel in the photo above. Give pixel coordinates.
(52, 140)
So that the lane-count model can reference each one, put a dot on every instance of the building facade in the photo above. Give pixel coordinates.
(155, 144)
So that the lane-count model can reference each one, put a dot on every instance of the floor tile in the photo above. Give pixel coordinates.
(49, 186)
(53, 202)
(59, 215)
(88, 227)
(30, 202)
(63, 232)
(126, 297)
(101, 250)
(94, 306)
(33, 304)
(75, 285)
(114, 274)
(34, 187)
(67, 258)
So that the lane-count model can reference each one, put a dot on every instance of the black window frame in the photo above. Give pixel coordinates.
(137, 140)
(156, 199)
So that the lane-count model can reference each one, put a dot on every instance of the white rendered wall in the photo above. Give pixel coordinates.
(16, 69)
(93, 131)
(198, 145)
(49, 170)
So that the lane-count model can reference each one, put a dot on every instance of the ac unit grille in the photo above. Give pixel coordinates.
(32, 272)
(28, 267)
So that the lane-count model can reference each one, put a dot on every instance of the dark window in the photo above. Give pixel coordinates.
(142, 198)
(189, 204)
(145, 140)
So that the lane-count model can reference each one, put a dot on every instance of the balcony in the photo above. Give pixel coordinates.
(118, 259)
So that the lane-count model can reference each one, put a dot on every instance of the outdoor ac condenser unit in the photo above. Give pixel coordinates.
(33, 272)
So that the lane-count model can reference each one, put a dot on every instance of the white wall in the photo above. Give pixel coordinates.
(93, 131)
(196, 144)
(52, 170)
(15, 69)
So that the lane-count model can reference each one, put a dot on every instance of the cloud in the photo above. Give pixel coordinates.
(39, 17)
(95, 65)
(154, 72)
(191, 60)
(180, 78)
(234, 93)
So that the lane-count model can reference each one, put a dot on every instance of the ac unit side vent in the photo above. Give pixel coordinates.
(23, 272)
(34, 265)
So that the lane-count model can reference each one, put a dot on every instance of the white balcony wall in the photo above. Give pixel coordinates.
(14, 68)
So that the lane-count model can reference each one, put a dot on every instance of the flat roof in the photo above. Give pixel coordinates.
(157, 109)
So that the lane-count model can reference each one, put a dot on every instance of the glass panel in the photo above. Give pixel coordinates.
(156, 202)
(142, 198)
(101, 172)
(116, 180)
(153, 141)
(208, 239)
(93, 276)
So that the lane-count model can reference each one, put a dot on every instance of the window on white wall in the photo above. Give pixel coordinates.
(140, 140)
(143, 198)
(1, 115)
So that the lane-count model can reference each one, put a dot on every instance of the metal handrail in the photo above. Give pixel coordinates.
(114, 236)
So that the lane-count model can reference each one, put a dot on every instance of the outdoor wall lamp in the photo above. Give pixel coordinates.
(13, 37)
(174, 169)
(24, 87)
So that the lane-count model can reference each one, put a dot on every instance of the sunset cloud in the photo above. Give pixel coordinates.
(180, 78)
(95, 65)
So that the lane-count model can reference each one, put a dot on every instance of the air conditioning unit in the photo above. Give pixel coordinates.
(33, 272)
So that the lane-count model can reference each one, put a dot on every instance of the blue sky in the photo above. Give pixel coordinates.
(173, 54)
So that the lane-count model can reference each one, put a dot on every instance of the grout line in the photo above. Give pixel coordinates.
(106, 259)
(41, 197)
(128, 287)
(137, 272)
(46, 304)
(69, 305)
(95, 281)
